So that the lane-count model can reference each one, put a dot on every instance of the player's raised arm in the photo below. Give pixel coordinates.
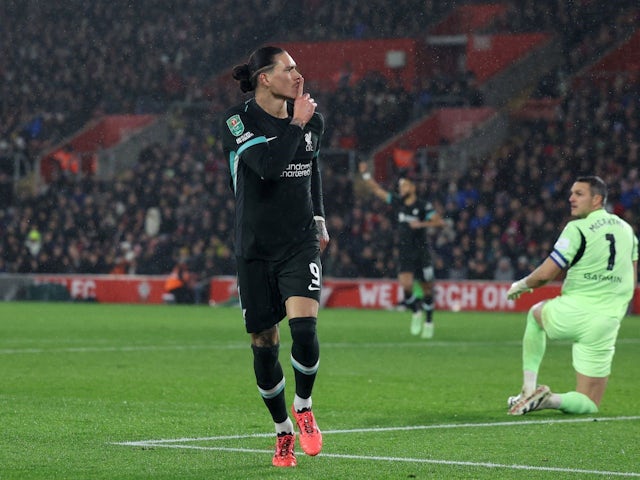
(375, 188)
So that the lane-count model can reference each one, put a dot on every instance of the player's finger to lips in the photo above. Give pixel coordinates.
(300, 86)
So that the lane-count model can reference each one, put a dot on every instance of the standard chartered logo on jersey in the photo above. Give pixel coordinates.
(295, 170)
(403, 217)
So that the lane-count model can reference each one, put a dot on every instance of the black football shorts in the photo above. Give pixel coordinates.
(418, 262)
(265, 285)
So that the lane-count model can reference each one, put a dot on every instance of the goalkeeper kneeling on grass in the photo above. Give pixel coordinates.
(599, 252)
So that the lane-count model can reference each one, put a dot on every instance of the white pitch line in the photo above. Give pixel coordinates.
(483, 464)
(176, 444)
(388, 429)
(396, 459)
(243, 346)
(239, 346)
(121, 349)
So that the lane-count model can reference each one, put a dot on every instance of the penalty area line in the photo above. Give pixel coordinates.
(391, 429)
(431, 461)
(182, 443)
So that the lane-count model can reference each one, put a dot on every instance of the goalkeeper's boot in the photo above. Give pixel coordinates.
(416, 322)
(310, 435)
(284, 456)
(535, 401)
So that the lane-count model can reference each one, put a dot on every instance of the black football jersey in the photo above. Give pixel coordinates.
(411, 238)
(275, 174)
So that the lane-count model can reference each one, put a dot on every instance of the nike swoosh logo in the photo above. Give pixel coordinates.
(312, 288)
(271, 138)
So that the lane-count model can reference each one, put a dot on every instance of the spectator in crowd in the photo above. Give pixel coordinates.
(178, 286)
(34, 241)
(458, 269)
(477, 266)
(504, 271)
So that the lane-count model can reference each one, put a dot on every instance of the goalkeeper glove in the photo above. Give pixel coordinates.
(517, 289)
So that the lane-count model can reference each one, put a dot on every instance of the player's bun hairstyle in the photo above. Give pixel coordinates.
(260, 60)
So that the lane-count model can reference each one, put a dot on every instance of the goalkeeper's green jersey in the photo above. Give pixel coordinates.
(598, 252)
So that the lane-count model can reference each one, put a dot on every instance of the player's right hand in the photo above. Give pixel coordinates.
(303, 105)
(517, 289)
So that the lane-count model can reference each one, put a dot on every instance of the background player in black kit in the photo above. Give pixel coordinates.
(272, 142)
(413, 216)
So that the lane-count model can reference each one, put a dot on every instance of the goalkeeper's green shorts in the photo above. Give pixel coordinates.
(594, 334)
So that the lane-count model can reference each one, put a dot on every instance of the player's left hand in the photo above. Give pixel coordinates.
(323, 234)
(517, 289)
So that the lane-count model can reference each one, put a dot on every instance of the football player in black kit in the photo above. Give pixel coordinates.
(413, 216)
(272, 143)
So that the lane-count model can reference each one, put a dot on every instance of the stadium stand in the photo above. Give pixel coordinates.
(175, 201)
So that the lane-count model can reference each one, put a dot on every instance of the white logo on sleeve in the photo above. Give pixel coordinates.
(562, 244)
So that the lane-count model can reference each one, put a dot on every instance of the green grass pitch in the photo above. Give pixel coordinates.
(91, 391)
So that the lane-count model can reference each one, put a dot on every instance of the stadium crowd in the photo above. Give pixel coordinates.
(137, 57)
(176, 202)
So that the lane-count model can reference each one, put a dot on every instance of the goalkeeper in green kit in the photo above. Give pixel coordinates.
(599, 252)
